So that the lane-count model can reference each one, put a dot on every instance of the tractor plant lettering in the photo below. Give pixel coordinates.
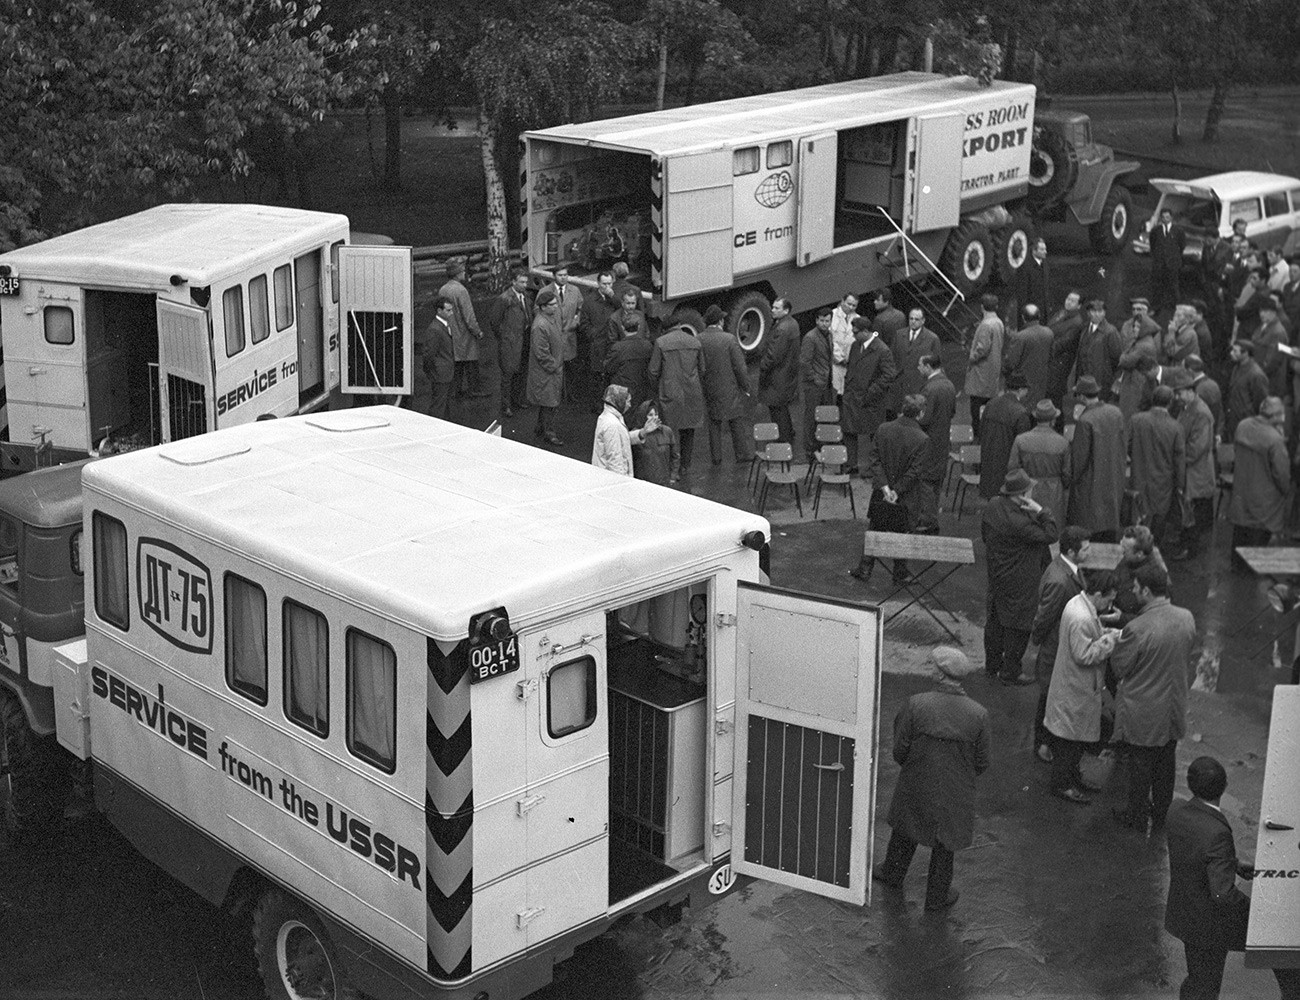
(175, 593)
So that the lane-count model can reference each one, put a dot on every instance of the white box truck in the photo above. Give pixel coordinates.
(436, 707)
(185, 318)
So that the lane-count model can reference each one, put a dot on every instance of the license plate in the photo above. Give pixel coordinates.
(493, 659)
(8, 284)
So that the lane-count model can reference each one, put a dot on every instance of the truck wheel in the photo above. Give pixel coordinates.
(33, 775)
(1053, 167)
(967, 257)
(1108, 232)
(295, 956)
(1011, 247)
(749, 319)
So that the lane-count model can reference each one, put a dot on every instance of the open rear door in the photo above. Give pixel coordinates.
(815, 227)
(376, 315)
(698, 223)
(807, 707)
(184, 371)
(936, 177)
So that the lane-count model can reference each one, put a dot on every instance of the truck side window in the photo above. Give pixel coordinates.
(306, 668)
(744, 161)
(58, 325)
(246, 638)
(372, 700)
(283, 297)
(780, 154)
(571, 697)
(9, 538)
(232, 314)
(259, 309)
(112, 593)
(1276, 204)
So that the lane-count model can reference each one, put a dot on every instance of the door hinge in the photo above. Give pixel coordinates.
(527, 805)
(524, 688)
(721, 827)
(525, 917)
(722, 727)
(724, 620)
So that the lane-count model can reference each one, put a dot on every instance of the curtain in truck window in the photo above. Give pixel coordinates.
(246, 638)
(112, 590)
(571, 697)
(306, 668)
(372, 700)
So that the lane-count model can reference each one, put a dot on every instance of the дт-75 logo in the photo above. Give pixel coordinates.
(175, 594)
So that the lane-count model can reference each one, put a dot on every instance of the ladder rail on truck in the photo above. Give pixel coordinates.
(186, 318)
(439, 706)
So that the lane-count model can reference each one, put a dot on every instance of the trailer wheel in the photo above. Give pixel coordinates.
(33, 775)
(967, 258)
(749, 319)
(1012, 245)
(1053, 167)
(1108, 232)
(295, 956)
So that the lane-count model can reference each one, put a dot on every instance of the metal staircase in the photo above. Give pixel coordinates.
(922, 284)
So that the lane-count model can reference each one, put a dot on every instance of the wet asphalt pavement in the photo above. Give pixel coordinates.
(1057, 901)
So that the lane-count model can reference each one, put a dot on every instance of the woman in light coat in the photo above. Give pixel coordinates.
(1078, 679)
(612, 447)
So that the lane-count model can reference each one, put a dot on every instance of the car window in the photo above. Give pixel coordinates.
(1275, 204)
(1246, 209)
(1295, 199)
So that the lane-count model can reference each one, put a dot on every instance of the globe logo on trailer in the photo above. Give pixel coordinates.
(775, 189)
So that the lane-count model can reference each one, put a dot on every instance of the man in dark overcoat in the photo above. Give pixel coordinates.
(1100, 346)
(546, 367)
(726, 387)
(1167, 241)
(1017, 533)
(1151, 661)
(868, 376)
(627, 362)
(778, 372)
(909, 345)
(1004, 419)
(510, 316)
(1028, 352)
(1158, 461)
(1066, 325)
(895, 463)
(1205, 909)
(1033, 285)
(936, 420)
(1097, 455)
(593, 333)
(1061, 581)
(942, 743)
(1247, 388)
(435, 364)
(677, 368)
(816, 359)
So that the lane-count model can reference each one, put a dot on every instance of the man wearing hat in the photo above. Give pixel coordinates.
(1097, 455)
(942, 742)
(1141, 353)
(1199, 484)
(1044, 453)
(1004, 419)
(1099, 347)
(1247, 387)
(1017, 533)
(1158, 452)
(546, 367)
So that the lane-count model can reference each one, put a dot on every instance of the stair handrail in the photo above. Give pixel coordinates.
(934, 268)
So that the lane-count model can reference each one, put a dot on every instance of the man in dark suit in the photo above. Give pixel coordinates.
(510, 315)
(1167, 242)
(940, 403)
(1032, 286)
(1028, 352)
(1205, 909)
(909, 345)
(895, 464)
(435, 367)
(1061, 581)
(1100, 347)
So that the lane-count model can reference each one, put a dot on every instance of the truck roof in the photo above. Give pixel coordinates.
(45, 498)
(423, 520)
(744, 121)
(201, 242)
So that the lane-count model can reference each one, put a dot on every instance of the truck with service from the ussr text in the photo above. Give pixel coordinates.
(185, 318)
(815, 192)
(435, 707)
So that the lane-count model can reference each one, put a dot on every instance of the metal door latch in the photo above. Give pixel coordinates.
(585, 640)
(721, 827)
(524, 688)
(1274, 825)
(722, 727)
(724, 620)
(837, 766)
(525, 917)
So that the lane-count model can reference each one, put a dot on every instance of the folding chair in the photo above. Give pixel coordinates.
(779, 453)
(958, 435)
(764, 434)
(834, 457)
(825, 434)
(1225, 457)
(826, 414)
(968, 456)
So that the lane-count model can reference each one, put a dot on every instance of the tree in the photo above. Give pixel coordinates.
(700, 30)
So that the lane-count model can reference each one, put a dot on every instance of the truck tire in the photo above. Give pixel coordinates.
(295, 956)
(33, 776)
(1109, 233)
(1053, 168)
(967, 257)
(1012, 245)
(750, 319)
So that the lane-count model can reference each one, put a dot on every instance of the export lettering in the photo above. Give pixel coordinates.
(150, 711)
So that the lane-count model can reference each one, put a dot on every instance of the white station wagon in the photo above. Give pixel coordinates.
(1208, 206)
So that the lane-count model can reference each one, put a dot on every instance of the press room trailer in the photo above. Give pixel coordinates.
(807, 193)
(445, 706)
(185, 318)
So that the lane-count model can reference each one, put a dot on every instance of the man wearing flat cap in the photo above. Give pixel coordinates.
(1044, 453)
(546, 367)
(1097, 475)
(1141, 337)
(1247, 387)
(1158, 453)
(942, 743)
(1017, 533)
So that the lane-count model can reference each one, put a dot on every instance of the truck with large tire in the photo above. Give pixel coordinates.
(813, 193)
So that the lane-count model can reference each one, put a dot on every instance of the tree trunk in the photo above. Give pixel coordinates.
(873, 55)
(498, 231)
(662, 82)
(1013, 54)
(889, 52)
(692, 78)
(850, 53)
(927, 56)
(1214, 113)
(392, 138)
(1176, 134)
